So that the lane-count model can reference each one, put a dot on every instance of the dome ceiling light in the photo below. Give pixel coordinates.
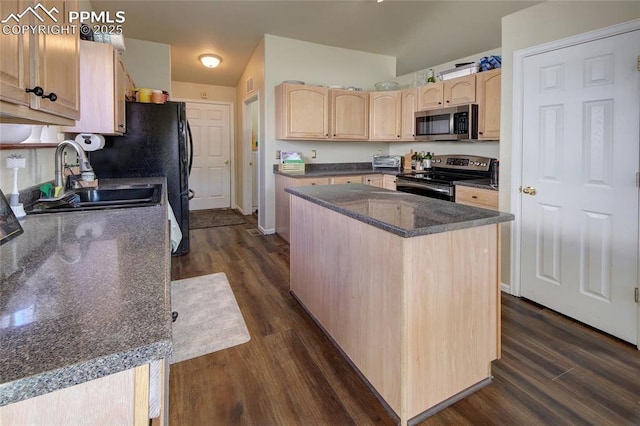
(210, 60)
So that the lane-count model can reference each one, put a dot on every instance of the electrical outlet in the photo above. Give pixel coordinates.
(313, 153)
(277, 154)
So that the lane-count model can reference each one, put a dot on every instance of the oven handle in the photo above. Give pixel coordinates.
(443, 190)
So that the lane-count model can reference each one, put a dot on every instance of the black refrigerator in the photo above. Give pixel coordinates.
(155, 144)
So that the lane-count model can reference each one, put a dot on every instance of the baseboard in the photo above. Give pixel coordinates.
(505, 287)
(267, 231)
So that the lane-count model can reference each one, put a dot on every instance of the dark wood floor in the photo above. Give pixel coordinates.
(553, 370)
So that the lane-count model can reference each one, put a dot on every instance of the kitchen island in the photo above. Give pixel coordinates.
(85, 316)
(406, 286)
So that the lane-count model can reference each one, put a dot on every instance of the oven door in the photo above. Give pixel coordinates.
(430, 189)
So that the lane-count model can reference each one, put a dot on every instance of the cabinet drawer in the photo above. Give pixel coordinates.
(336, 180)
(312, 181)
(477, 197)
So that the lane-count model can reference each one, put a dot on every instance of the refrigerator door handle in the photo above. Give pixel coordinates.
(190, 147)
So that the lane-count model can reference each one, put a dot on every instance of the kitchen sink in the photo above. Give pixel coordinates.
(101, 198)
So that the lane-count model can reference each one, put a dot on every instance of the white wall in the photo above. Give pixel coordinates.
(202, 92)
(148, 63)
(530, 27)
(39, 168)
(288, 59)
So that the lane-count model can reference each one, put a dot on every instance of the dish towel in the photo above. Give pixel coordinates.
(176, 233)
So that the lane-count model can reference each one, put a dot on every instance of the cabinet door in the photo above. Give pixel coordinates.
(14, 58)
(373, 180)
(488, 88)
(461, 90)
(389, 182)
(385, 115)
(408, 122)
(431, 96)
(102, 99)
(56, 66)
(302, 112)
(477, 197)
(349, 115)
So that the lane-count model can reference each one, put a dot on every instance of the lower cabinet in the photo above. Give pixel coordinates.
(283, 198)
(373, 180)
(131, 397)
(477, 197)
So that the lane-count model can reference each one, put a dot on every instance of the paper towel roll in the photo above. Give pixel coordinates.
(90, 141)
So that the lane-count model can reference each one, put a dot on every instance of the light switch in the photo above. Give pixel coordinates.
(313, 153)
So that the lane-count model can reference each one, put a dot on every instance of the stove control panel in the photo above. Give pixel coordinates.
(462, 162)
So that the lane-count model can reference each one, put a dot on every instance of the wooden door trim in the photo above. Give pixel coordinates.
(517, 129)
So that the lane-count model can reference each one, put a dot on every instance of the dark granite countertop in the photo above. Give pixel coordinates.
(336, 169)
(400, 213)
(83, 295)
(477, 183)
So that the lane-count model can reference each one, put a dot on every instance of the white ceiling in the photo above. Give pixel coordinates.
(418, 33)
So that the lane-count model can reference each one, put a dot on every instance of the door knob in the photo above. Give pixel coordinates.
(529, 190)
(226, 161)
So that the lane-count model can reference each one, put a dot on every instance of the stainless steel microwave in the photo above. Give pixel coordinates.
(447, 124)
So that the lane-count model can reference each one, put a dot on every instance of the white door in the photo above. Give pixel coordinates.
(579, 241)
(210, 177)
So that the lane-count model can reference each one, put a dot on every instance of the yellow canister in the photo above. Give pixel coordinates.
(144, 95)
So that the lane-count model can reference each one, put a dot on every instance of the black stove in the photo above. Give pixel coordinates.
(447, 169)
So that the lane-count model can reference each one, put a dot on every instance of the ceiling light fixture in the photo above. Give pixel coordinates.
(210, 60)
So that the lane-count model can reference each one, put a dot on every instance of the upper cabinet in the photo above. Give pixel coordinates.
(302, 112)
(39, 73)
(349, 114)
(457, 91)
(392, 115)
(488, 92)
(311, 113)
(385, 119)
(104, 81)
(409, 105)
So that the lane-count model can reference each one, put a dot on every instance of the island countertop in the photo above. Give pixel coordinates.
(83, 295)
(403, 214)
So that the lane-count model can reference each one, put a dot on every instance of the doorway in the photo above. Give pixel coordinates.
(210, 177)
(578, 156)
(251, 141)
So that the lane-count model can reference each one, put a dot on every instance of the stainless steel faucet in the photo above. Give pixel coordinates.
(85, 167)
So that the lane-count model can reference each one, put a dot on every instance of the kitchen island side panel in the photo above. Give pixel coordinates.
(348, 275)
(452, 283)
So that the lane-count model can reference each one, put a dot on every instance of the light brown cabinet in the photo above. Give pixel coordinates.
(337, 180)
(385, 118)
(373, 180)
(312, 113)
(104, 80)
(46, 64)
(457, 91)
(389, 182)
(282, 200)
(349, 114)
(302, 112)
(409, 106)
(392, 115)
(488, 91)
(477, 197)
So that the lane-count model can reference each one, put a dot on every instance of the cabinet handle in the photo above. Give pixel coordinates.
(51, 96)
(474, 196)
(439, 103)
(38, 91)
(121, 126)
(447, 101)
(480, 133)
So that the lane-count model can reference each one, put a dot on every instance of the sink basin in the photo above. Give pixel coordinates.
(104, 198)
